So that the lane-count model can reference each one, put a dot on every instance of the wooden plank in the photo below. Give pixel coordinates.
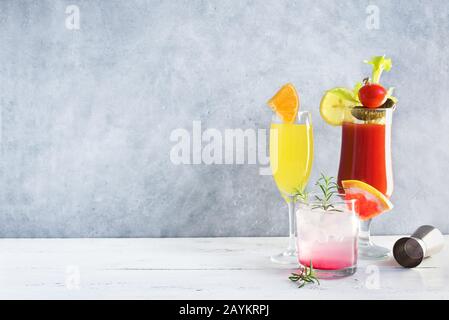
(198, 268)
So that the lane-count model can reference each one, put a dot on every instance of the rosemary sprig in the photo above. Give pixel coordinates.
(329, 188)
(302, 195)
(306, 276)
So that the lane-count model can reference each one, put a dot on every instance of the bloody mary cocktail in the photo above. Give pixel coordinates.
(365, 115)
(365, 155)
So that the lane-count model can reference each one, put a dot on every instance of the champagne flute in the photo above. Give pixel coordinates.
(291, 157)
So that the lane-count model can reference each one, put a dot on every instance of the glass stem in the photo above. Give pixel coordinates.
(291, 224)
(365, 233)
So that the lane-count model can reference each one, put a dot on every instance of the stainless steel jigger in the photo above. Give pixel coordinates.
(409, 252)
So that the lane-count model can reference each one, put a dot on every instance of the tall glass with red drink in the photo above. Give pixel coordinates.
(366, 156)
(365, 114)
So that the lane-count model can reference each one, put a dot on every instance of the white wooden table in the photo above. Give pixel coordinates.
(195, 268)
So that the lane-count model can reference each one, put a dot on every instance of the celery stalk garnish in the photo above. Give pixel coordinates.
(380, 64)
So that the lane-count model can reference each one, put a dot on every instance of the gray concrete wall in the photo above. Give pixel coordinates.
(87, 114)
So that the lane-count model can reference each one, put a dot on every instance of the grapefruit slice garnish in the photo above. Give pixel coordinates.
(370, 202)
(285, 103)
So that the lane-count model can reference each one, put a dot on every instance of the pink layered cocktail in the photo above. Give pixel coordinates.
(328, 239)
(329, 255)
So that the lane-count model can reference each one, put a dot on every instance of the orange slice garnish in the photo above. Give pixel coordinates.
(285, 103)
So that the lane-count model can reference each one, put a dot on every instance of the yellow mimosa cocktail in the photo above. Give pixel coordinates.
(291, 156)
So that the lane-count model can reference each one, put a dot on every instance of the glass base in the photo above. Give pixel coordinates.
(287, 257)
(335, 274)
(370, 251)
(367, 249)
